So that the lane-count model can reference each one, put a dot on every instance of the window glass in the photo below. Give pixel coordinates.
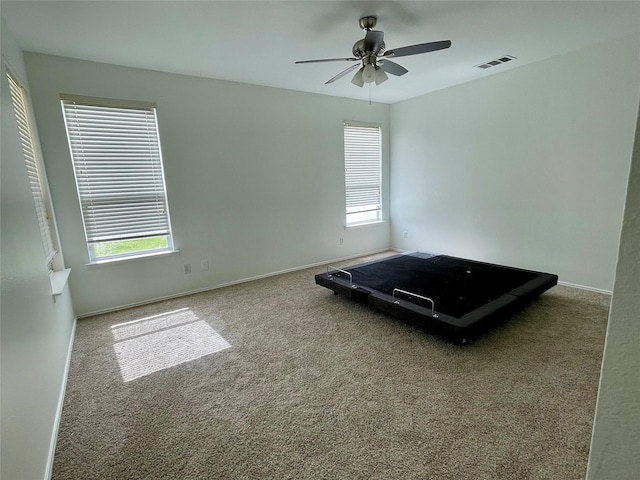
(117, 162)
(363, 173)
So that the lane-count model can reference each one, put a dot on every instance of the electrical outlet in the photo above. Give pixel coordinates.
(341, 240)
(406, 234)
(204, 265)
(187, 268)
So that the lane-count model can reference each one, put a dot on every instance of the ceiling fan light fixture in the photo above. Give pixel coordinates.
(368, 73)
(357, 78)
(380, 76)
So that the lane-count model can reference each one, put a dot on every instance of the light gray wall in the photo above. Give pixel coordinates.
(525, 168)
(255, 178)
(615, 445)
(35, 331)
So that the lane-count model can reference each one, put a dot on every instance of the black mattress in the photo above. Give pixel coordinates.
(466, 296)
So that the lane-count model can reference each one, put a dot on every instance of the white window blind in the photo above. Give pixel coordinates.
(19, 100)
(363, 175)
(118, 168)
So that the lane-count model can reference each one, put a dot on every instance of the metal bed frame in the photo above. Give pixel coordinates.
(411, 307)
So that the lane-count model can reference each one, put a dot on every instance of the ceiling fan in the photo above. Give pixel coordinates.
(373, 61)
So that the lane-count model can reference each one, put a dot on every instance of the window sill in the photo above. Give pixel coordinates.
(59, 280)
(131, 258)
(372, 222)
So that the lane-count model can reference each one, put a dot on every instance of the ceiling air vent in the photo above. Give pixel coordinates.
(497, 61)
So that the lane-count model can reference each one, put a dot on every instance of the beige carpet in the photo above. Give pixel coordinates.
(280, 379)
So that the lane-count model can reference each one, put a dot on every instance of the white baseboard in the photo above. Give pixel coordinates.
(63, 388)
(584, 287)
(228, 284)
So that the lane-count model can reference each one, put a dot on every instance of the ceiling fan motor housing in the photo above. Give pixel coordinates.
(359, 51)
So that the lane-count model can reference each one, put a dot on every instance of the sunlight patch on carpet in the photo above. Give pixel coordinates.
(153, 323)
(155, 343)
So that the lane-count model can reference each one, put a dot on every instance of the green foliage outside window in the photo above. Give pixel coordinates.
(122, 247)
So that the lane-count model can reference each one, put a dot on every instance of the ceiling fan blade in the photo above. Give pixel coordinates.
(373, 41)
(380, 76)
(392, 67)
(343, 73)
(357, 78)
(420, 48)
(330, 60)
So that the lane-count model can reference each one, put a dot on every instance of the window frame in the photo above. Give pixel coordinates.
(150, 161)
(377, 213)
(35, 169)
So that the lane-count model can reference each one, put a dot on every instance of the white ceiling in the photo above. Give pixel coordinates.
(258, 42)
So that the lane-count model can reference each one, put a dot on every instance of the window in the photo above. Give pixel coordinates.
(35, 170)
(363, 173)
(117, 162)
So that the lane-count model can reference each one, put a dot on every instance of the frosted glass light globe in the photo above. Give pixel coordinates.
(369, 73)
